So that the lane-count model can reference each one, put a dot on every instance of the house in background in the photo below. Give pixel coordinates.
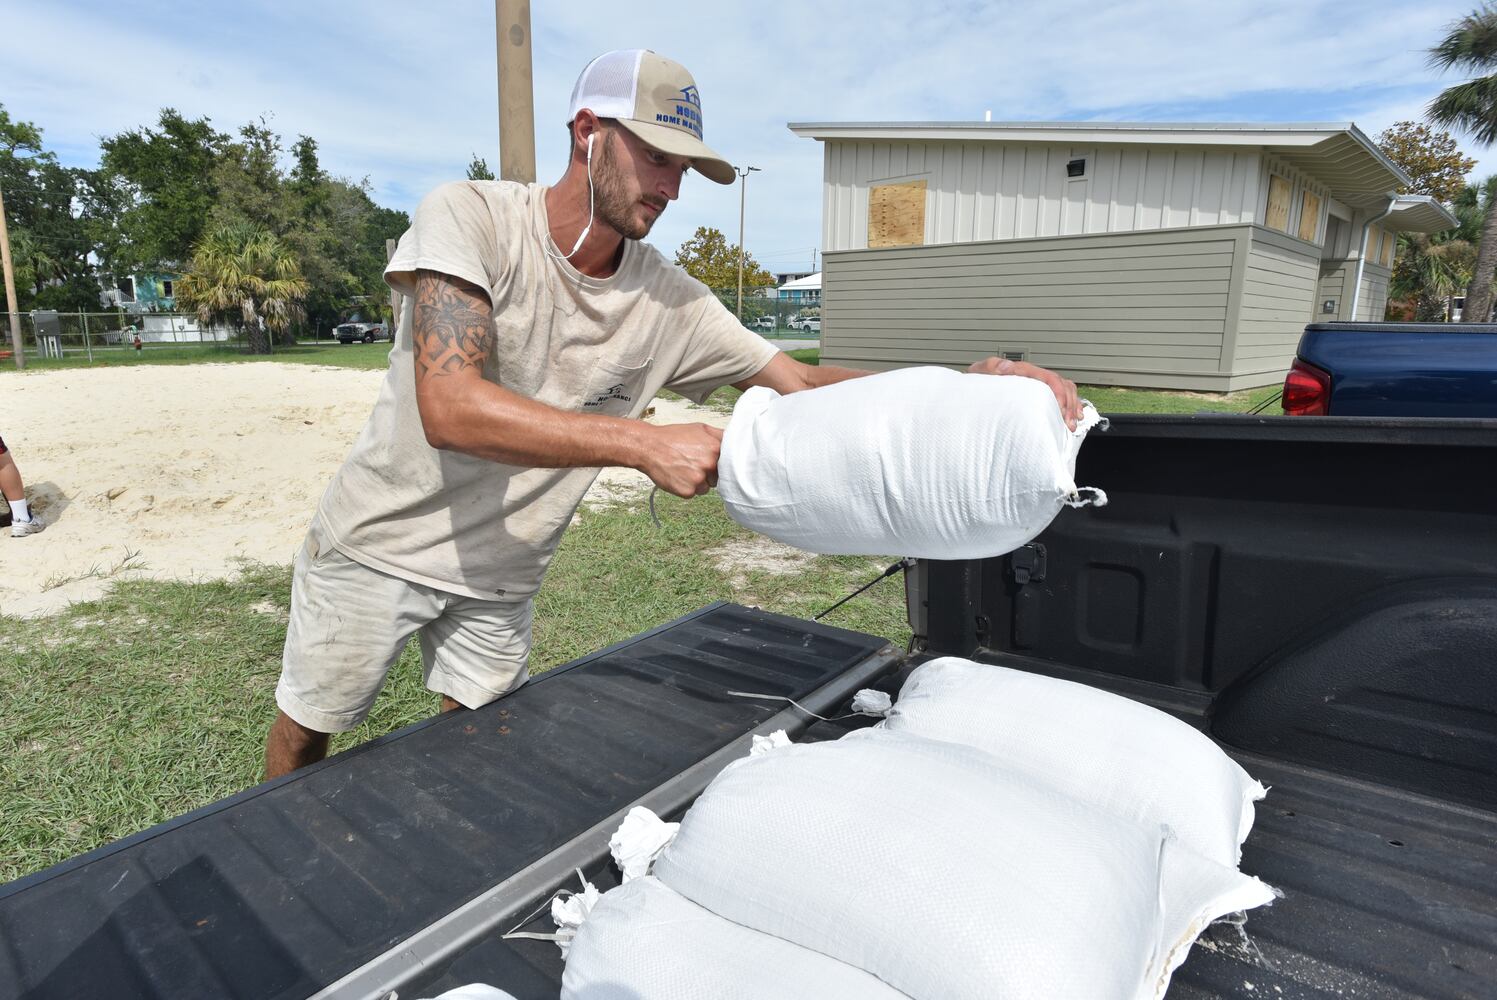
(146, 292)
(803, 291)
(1187, 256)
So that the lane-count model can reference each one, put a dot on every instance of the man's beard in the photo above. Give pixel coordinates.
(615, 206)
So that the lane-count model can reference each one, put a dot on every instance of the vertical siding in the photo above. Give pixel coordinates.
(983, 190)
(1279, 294)
(1127, 309)
(1299, 184)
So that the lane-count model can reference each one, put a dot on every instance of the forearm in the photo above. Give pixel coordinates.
(490, 422)
(462, 411)
(817, 376)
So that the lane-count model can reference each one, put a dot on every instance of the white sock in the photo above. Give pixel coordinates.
(19, 510)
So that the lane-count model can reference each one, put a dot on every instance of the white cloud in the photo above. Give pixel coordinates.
(406, 93)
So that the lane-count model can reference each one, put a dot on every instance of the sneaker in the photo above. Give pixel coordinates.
(20, 529)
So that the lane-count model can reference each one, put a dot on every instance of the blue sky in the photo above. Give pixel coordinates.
(404, 93)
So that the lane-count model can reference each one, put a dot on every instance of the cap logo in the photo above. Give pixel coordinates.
(688, 112)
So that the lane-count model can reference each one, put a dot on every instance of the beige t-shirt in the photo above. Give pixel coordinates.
(588, 345)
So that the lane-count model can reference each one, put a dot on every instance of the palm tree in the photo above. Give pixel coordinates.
(1471, 107)
(243, 275)
(1429, 273)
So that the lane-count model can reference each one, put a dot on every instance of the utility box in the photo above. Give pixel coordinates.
(48, 329)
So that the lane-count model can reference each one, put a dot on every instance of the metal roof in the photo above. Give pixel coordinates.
(1338, 154)
(809, 282)
(1419, 213)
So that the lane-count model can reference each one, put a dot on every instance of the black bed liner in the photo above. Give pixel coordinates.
(285, 889)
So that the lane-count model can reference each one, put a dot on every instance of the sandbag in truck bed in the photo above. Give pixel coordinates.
(1122, 756)
(922, 462)
(929, 866)
(644, 942)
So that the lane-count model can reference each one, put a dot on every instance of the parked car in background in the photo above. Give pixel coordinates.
(762, 323)
(1394, 370)
(347, 333)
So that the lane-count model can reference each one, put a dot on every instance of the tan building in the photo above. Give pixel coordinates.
(1174, 256)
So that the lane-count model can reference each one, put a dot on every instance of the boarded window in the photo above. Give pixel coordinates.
(1277, 216)
(1390, 246)
(896, 215)
(1309, 216)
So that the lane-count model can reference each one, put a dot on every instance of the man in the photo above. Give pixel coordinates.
(537, 330)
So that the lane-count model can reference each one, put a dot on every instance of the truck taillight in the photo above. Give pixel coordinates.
(1307, 391)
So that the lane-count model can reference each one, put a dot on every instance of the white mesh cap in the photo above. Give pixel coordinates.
(654, 98)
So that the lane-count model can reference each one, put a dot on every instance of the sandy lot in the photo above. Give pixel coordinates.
(181, 472)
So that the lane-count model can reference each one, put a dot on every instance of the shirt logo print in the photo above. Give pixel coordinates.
(615, 391)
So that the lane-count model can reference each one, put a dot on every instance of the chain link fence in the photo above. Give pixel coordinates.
(92, 335)
(767, 313)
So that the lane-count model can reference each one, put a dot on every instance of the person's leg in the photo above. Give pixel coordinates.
(476, 651)
(291, 745)
(10, 478)
(347, 627)
(22, 521)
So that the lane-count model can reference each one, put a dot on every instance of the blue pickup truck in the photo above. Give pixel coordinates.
(1394, 370)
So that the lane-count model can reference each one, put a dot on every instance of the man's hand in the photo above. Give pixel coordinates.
(682, 458)
(1064, 388)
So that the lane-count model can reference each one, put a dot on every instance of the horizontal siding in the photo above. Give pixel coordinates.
(1333, 285)
(1099, 375)
(1372, 300)
(1131, 309)
(978, 191)
(1279, 293)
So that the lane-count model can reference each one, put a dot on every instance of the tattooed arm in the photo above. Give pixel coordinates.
(461, 411)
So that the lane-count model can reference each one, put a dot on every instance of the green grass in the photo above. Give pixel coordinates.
(327, 353)
(123, 712)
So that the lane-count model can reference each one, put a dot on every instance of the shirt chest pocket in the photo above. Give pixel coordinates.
(614, 389)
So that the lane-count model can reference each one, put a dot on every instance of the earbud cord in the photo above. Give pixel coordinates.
(587, 228)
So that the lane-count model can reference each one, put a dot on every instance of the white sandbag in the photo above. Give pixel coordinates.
(638, 842)
(923, 462)
(645, 942)
(475, 991)
(1127, 758)
(766, 744)
(916, 861)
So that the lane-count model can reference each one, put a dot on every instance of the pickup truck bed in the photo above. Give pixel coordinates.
(1317, 595)
(1387, 895)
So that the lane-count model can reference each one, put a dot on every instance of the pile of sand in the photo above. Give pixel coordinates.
(179, 472)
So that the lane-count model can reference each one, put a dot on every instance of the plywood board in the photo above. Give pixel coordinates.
(896, 214)
(1277, 216)
(1309, 216)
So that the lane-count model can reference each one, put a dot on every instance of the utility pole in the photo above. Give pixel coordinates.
(10, 290)
(743, 173)
(516, 91)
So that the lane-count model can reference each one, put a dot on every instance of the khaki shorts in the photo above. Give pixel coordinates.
(349, 624)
